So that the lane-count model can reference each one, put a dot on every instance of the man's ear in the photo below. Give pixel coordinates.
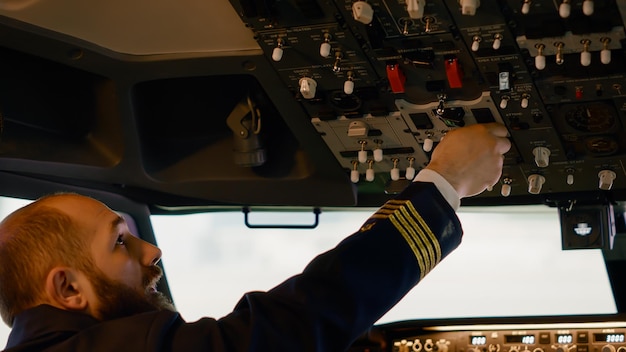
(65, 289)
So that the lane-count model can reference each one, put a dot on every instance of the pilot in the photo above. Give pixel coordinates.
(72, 277)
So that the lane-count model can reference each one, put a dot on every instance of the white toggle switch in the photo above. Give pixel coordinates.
(369, 173)
(308, 87)
(585, 58)
(410, 173)
(363, 12)
(526, 7)
(415, 8)
(585, 55)
(348, 86)
(605, 53)
(540, 62)
(354, 173)
(428, 144)
(605, 56)
(362, 156)
(588, 7)
(497, 41)
(378, 154)
(565, 9)
(354, 176)
(535, 182)
(540, 59)
(476, 43)
(542, 156)
(325, 49)
(504, 102)
(524, 102)
(277, 53)
(606, 179)
(505, 191)
(570, 179)
(468, 7)
(395, 174)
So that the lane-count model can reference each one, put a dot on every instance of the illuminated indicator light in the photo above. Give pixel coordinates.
(579, 93)
(478, 340)
(564, 339)
(582, 229)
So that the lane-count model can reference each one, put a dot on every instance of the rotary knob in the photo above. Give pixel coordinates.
(362, 12)
(606, 179)
(535, 183)
(308, 86)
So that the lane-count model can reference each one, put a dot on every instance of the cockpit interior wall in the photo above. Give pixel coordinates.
(335, 102)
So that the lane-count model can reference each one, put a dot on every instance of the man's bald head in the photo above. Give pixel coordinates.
(33, 239)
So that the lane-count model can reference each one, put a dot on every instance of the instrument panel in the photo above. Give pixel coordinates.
(581, 337)
(382, 81)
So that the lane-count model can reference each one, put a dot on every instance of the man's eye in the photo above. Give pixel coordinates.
(120, 240)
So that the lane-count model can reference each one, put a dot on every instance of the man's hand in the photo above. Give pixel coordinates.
(471, 158)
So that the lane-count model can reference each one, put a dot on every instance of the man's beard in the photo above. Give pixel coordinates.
(117, 300)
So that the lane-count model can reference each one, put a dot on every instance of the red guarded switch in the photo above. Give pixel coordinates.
(396, 78)
(454, 72)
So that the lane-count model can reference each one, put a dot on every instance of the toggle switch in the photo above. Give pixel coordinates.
(585, 55)
(505, 191)
(325, 47)
(565, 9)
(362, 154)
(354, 173)
(378, 151)
(497, 41)
(524, 102)
(570, 176)
(277, 53)
(337, 63)
(540, 59)
(605, 53)
(428, 142)
(394, 173)
(348, 85)
(476, 43)
(525, 7)
(535, 183)
(410, 171)
(504, 101)
(606, 179)
(588, 7)
(369, 173)
(559, 53)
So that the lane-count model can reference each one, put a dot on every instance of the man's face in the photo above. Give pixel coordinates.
(125, 275)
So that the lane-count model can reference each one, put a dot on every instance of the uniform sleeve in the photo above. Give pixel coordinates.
(343, 292)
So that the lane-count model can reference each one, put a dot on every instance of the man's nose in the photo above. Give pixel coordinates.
(150, 254)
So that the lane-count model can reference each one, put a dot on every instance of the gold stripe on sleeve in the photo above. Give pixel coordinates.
(416, 233)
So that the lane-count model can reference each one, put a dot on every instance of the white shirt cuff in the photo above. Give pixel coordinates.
(444, 187)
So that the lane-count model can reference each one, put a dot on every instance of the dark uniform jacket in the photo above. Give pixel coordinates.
(337, 297)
